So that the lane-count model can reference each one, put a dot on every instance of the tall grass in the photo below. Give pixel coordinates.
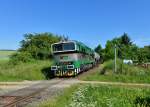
(35, 70)
(100, 96)
(125, 73)
(124, 69)
(109, 96)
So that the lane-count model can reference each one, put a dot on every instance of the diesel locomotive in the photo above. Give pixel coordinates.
(72, 57)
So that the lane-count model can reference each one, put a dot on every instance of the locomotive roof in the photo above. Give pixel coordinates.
(64, 42)
(77, 42)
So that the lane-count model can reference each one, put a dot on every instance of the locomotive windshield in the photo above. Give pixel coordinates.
(64, 47)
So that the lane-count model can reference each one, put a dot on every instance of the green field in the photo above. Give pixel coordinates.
(101, 96)
(36, 70)
(96, 76)
(4, 55)
(126, 73)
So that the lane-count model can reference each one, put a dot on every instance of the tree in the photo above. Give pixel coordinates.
(144, 54)
(125, 48)
(109, 51)
(125, 39)
(98, 49)
(38, 45)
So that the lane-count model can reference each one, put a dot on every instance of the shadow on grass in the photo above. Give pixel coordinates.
(48, 73)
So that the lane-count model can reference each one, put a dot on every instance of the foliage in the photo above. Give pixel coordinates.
(125, 39)
(98, 49)
(125, 50)
(109, 51)
(34, 70)
(107, 96)
(144, 54)
(142, 101)
(34, 47)
(124, 69)
(38, 45)
(125, 73)
(21, 57)
(102, 96)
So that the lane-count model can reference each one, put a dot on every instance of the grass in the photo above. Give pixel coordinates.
(107, 96)
(126, 73)
(36, 70)
(100, 96)
(4, 55)
(61, 100)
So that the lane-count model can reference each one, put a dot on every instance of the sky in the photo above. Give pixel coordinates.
(92, 22)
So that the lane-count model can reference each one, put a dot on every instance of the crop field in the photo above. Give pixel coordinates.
(4, 55)
(101, 96)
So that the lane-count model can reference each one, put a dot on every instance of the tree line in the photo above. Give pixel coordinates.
(126, 49)
(35, 46)
(38, 46)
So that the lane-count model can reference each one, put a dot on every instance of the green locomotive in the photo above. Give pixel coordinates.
(72, 57)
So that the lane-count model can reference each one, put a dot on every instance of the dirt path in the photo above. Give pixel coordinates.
(37, 91)
(115, 83)
(50, 89)
(108, 83)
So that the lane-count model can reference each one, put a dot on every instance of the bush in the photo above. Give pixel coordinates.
(35, 46)
(21, 57)
(109, 66)
(39, 45)
(24, 71)
(122, 68)
(109, 96)
(142, 101)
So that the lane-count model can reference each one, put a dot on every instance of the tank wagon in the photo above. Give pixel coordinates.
(72, 57)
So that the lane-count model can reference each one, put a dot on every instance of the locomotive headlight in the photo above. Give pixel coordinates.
(70, 66)
(54, 67)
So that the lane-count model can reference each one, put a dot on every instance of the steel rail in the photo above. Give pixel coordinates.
(18, 99)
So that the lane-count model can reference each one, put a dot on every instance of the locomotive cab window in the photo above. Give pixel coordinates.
(68, 46)
(57, 47)
(64, 46)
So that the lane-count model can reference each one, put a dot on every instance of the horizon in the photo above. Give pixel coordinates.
(80, 41)
(92, 22)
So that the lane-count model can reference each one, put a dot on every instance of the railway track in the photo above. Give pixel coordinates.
(23, 96)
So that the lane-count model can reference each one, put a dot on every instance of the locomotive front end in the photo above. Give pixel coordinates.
(64, 58)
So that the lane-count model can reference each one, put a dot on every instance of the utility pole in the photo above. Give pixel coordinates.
(115, 61)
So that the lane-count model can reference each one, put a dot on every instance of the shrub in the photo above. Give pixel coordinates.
(21, 57)
(142, 101)
(109, 66)
(110, 96)
(38, 45)
(122, 68)
(35, 46)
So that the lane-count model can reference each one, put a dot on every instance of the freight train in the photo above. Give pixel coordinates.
(72, 58)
